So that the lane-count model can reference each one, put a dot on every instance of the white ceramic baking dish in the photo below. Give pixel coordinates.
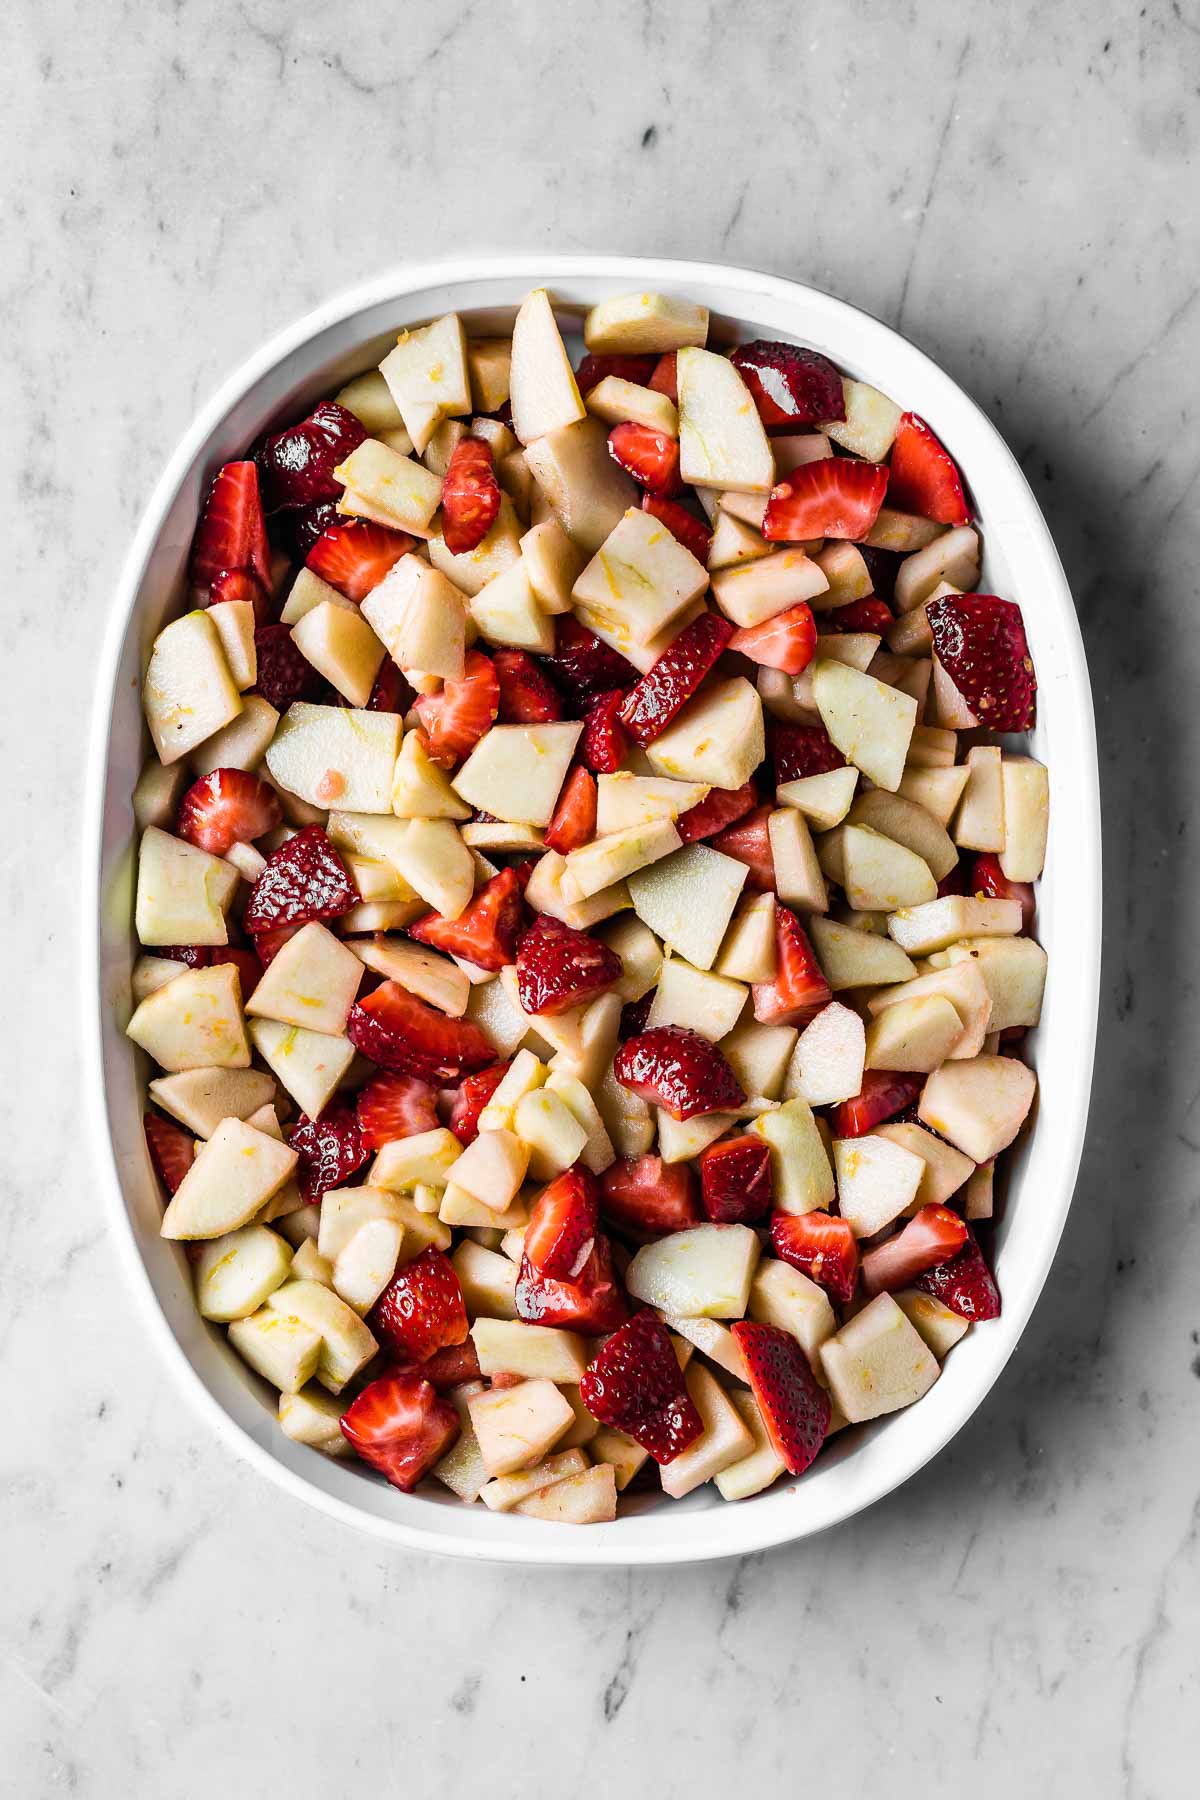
(309, 360)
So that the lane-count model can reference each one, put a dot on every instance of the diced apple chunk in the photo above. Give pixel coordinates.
(366, 1264)
(347, 1346)
(420, 616)
(783, 1296)
(1013, 971)
(851, 958)
(908, 824)
(427, 377)
(516, 1426)
(309, 1064)
(157, 794)
(964, 986)
(488, 361)
(637, 323)
(879, 874)
(878, 1362)
(420, 789)
(869, 427)
(234, 620)
(552, 563)
(938, 790)
(914, 1034)
(624, 800)
(284, 1350)
(683, 1141)
(587, 489)
(919, 930)
(761, 1467)
(688, 899)
(953, 557)
(721, 438)
(393, 490)
(759, 1055)
(516, 771)
(311, 981)
(979, 1105)
(752, 592)
(798, 878)
(938, 1326)
(596, 866)
(615, 401)
(979, 824)
(510, 1347)
(313, 1418)
(336, 756)
(422, 972)
(234, 1175)
(587, 1499)
(183, 893)
(194, 1021)
(946, 1169)
(236, 1272)
(345, 1211)
(341, 646)
(717, 737)
(1026, 817)
(433, 859)
(188, 691)
(627, 1117)
(242, 743)
(870, 723)
(201, 1098)
(876, 1181)
(725, 1439)
(827, 1064)
(487, 1280)
(697, 999)
(471, 570)
(641, 579)
(800, 1171)
(702, 1271)
(504, 1492)
(552, 1134)
(824, 800)
(748, 949)
(542, 386)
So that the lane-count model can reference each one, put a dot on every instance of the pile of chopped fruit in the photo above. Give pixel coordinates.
(585, 910)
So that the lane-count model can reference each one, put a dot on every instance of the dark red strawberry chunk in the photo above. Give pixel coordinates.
(402, 1034)
(650, 456)
(232, 533)
(799, 989)
(240, 584)
(884, 1093)
(593, 1302)
(649, 1197)
(172, 1150)
(268, 944)
(486, 931)
(692, 532)
(792, 387)
(720, 808)
(821, 1247)
(390, 692)
(665, 379)
(861, 615)
(456, 718)
(882, 566)
(735, 1180)
(787, 642)
(247, 963)
(300, 528)
(924, 476)
(470, 496)
(395, 1106)
(989, 879)
(583, 664)
(296, 465)
(283, 674)
(196, 956)
(227, 807)
(798, 750)
(562, 1225)
(559, 967)
(527, 694)
(833, 498)
(980, 641)
(305, 879)
(421, 1310)
(401, 1425)
(636, 1386)
(637, 369)
(677, 1069)
(795, 1407)
(330, 1148)
(354, 556)
(965, 1283)
(653, 702)
(446, 1368)
(749, 841)
(604, 744)
(471, 1099)
(932, 1236)
(635, 1015)
(574, 821)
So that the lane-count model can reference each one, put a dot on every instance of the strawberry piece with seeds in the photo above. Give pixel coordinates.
(635, 1385)
(446, 1368)
(932, 1236)
(562, 1226)
(296, 465)
(720, 808)
(821, 1247)
(232, 532)
(583, 664)
(651, 704)
(790, 386)
(172, 1150)
(574, 821)
(965, 1283)
(650, 456)
(749, 841)
(798, 750)
(471, 1099)
(924, 476)
(593, 1302)
(637, 369)
(470, 496)
(861, 615)
(268, 943)
(395, 1106)
(355, 555)
(283, 675)
(678, 1069)
(683, 525)
(486, 931)
(648, 1197)
(735, 1181)
(330, 1148)
(305, 879)
(785, 642)
(403, 1034)
(401, 1425)
(456, 718)
(527, 694)
(240, 584)
(421, 1310)
(989, 879)
(799, 989)
(559, 967)
(227, 807)
(833, 498)
(884, 1093)
(795, 1408)
(980, 641)
(665, 379)
(604, 744)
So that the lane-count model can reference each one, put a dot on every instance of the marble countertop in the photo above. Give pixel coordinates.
(1016, 188)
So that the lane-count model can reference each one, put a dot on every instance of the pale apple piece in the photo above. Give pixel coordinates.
(505, 1491)
(938, 790)
(538, 1352)
(748, 951)
(311, 981)
(909, 824)
(201, 1098)
(487, 1280)
(641, 578)
(301, 1227)
(932, 748)
(876, 1181)
(696, 998)
(979, 1199)
(457, 1207)
(461, 1469)
(492, 1168)
(1013, 971)
(490, 1007)
(587, 1499)
(336, 756)
(234, 620)
(369, 398)
(853, 958)
(422, 972)
(628, 1119)
(432, 857)
(937, 1325)
(598, 865)
(800, 1170)
(734, 543)
(497, 436)
(922, 929)
(379, 915)
(638, 323)
(378, 883)
(347, 1346)
(484, 835)
(854, 648)
(585, 1427)
(752, 592)
(420, 616)
(587, 1051)
(966, 989)
(367, 1263)
(488, 363)
(726, 1437)
(911, 674)
(718, 736)
(979, 824)
(624, 801)
(688, 899)
(880, 874)
(517, 771)
(442, 444)
(524, 1076)
(427, 377)
(750, 508)
(471, 570)
(1026, 817)
(682, 1141)
(391, 489)
(545, 894)
(869, 427)
(721, 438)
(979, 1105)
(308, 1063)
(846, 575)
(235, 1173)
(241, 744)
(597, 1152)
(901, 531)
(308, 1264)
(783, 1296)
(420, 789)
(542, 386)
(946, 1169)
(878, 1362)
(640, 953)
(345, 1211)
(798, 877)
(947, 706)
(235, 1273)
(752, 1473)
(194, 1021)
(551, 1133)
(870, 723)
(157, 795)
(507, 612)
(248, 861)
(824, 800)
(587, 489)
(914, 1034)
(183, 893)
(827, 1063)
(282, 1349)
(313, 1418)
(615, 401)
(703, 1271)
(552, 565)
(188, 692)
(758, 1055)
(953, 557)
(709, 1336)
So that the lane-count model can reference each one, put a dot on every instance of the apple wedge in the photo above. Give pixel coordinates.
(234, 620)
(535, 1352)
(979, 824)
(625, 801)
(586, 1499)
(722, 443)
(637, 323)
(702, 1272)
(234, 1175)
(1013, 971)
(194, 1022)
(201, 1098)
(284, 1350)
(488, 360)
(598, 865)
(880, 874)
(641, 578)
(752, 592)
(919, 930)
(964, 986)
(937, 1326)
(341, 646)
(420, 788)
(687, 900)
(979, 1105)
(725, 1439)
(589, 492)
(748, 950)
(427, 377)
(188, 691)
(309, 1064)
(756, 1471)
(471, 570)
(550, 1132)
(717, 738)
(869, 427)
(801, 1175)
(830, 1054)
(1026, 786)
(311, 981)
(946, 1169)
(824, 800)
(851, 958)
(734, 543)
(914, 1034)
(783, 1296)
(798, 877)
(951, 558)
(369, 398)
(542, 386)
(938, 790)
(235, 1273)
(616, 401)
(516, 772)
(553, 563)
(391, 489)
(878, 1362)
(366, 1264)
(183, 893)
(683, 1141)
(336, 756)
(759, 1056)
(697, 999)
(870, 723)
(488, 1281)
(420, 616)
(347, 1346)
(241, 744)
(909, 824)
(422, 972)
(876, 1181)
(313, 1418)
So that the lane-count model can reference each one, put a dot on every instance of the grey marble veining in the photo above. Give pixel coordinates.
(1016, 187)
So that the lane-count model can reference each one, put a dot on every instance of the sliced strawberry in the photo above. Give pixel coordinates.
(330, 1148)
(583, 664)
(248, 964)
(795, 1408)
(296, 465)
(196, 956)
(799, 989)
(562, 1225)
(821, 1247)
(354, 557)
(604, 744)
(559, 967)
(574, 821)
(980, 642)
(884, 1093)
(227, 807)
(240, 584)
(650, 456)
(636, 1386)
(232, 533)
(268, 944)
(833, 498)
(298, 529)
(470, 496)
(592, 369)
(653, 702)
(391, 692)
(446, 1368)
(965, 1283)
(649, 1197)
(458, 717)
(735, 1180)
(690, 531)
(665, 379)
(785, 642)
(989, 879)
(403, 1034)
(677, 1069)
(749, 842)
(305, 879)
(594, 1302)
(925, 477)
(932, 1236)
(283, 674)
(635, 1016)
(172, 1150)
(527, 694)
(791, 386)
(798, 750)
(954, 882)
(861, 615)
(471, 1099)
(421, 1310)
(486, 931)
(720, 808)
(401, 1425)
(395, 1106)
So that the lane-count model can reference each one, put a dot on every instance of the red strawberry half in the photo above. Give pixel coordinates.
(559, 967)
(980, 642)
(527, 694)
(965, 1284)
(457, 718)
(283, 675)
(821, 1247)
(924, 476)
(305, 879)
(861, 615)
(401, 1425)
(636, 1386)
(486, 931)
(584, 664)
(720, 808)
(795, 1407)
(749, 840)
(470, 496)
(649, 1197)
(395, 1106)
(833, 498)
(690, 531)
(296, 466)
(562, 1226)
(354, 557)
(240, 584)
(798, 750)
(330, 1148)
(735, 1180)
(785, 642)
(232, 533)
(471, 1099)
(989, 879)
(603, 744)
(677, 1069)
(421, 1310)
(402, 1034)
(574, 821)
(932, 1236)
(653, 702)
(592, 369)
(884, 1093)
(799, 989)
(650, 456)
(791, 386)
(665, 379)
(172, 1150)
(593, 1302)
(227, 807)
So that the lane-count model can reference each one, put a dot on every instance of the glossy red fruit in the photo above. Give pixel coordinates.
(195, 956)
(227, 807)
(527, 694)
(593, 1302)
(574, 821)
(471, 1099)
(232, 533)
(390, 692)
(402, 1034)
(283, 675)
(594, 368)
(635, 1016)
(735, 1181)
(980, 641)
(749, 842)
(401, 1425)
(954, 882)
(304, 879)
(562, 1226)
(635, 1385)
(268, 943)
(924, 476)
(298, 529)
(355, 555)
(884, 1093)
(821, 1247)
(486, 931)
(683, 525)
(787, 642)
(650, 456)
(421, 1310)
(583, 664)
(240, 584)
(330, 1148)
(965, 1283)
(172, 1150)
(456, 718)
(559, 967)
(791, 386)
(651, 704)
(833, 498)
(649, 1197)
(931, 1236)
(799, 989)
(798, 750)
(604, 744)
(247, 963)
(395, 1106)
(470, 496)
(677, 1069)
(861, 615)
(720, 808)
(296, 465)
(446, 1368)
(989, 879)
(665, 379)
(795, 1408)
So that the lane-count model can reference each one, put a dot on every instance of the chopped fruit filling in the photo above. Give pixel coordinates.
(636, 1386)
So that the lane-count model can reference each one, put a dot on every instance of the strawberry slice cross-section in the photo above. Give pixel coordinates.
(834, 498)
(795, 1408)
(645, 1195)
(635, 1385)
(574, 821)
(305, 879)
(421, 1310)
(676, 1068)
(330, 1148)
(924, 476)
(232, 533)
(559, 967)
(593, 1301)
(964, 1283)
(884, 1093)
(683, 525)
(401, 1425)
(787, 642)
(395, 1106)
(470, 496)
(735, 1180)
(486, 931)
(227, 807)
(527, 694)
(355, 555)
(403, 1034)
(820, 1246)
(653, 702)
(720, 808)
(932, 1236)
(799, 989)
(650, 456)
(562, 1226)
(471, 1099)
(456, 718)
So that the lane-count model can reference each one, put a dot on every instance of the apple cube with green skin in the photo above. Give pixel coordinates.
(624, 801)
(542, 386)
(587, 1499)
(915, 1034)
(798, 877)
(242, 743)
(235, 1273)
(336, 756)
(937, 1325)
(1013, 971)
(828, 1061)
(748, 951)
(504, 1492)
(704, 1271)
(980, 821)
(537, 1352)
(341, 646)
(870, 723)
(688, 899)
(946, 1169)
(427, 377)
(722, 443)
(920, 930)
(869, 427)
(183, 893)
(420, 617)
(471, 570)
(588, 490)
(725, 1439)
(718, 736)
(800, 1173)
(188, 691)
(311, 981)
(420, 789)
(964, 986)
(878, 1362)
(346, 1344)
(877, 1180)
(313, 1418)
(517, 771)
(641, 578)
(393, 490)
(752, 1473)
(979, 1105)
(201, 1098)
(194, 1022)
(783, 1296)
(697, 999)
(309, 1064)
(759, 1056)
(824, 800)
(234, 1175)
(283, 1349)
(1026, 786)
(234, 620)
(638, 323)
